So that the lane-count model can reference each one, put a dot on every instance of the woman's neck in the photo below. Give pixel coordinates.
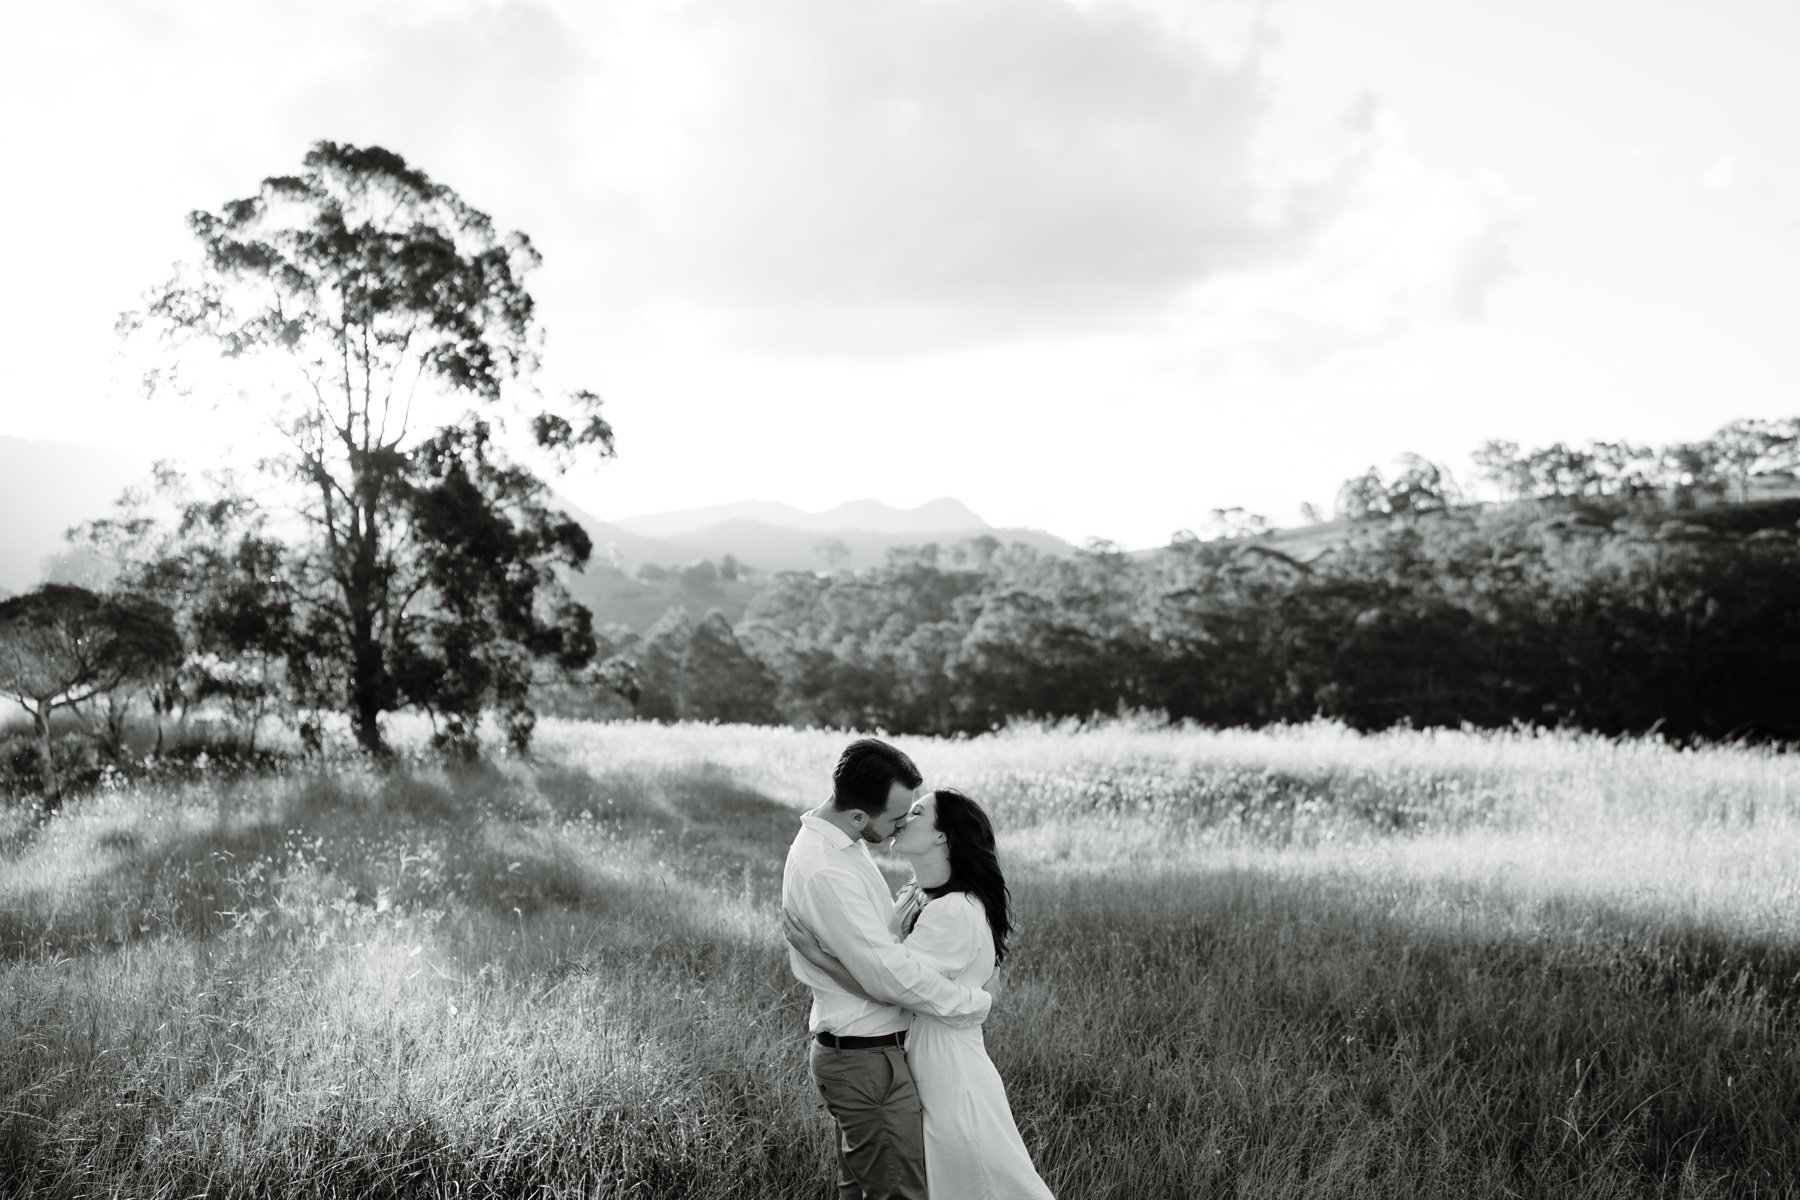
(931, 869)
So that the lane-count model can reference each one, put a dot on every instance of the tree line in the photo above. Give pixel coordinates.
(1599, 614)
(1619, 476)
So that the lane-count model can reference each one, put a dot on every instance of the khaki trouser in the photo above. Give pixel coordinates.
(880, 1126)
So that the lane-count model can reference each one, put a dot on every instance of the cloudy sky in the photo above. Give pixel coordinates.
(1094, 266)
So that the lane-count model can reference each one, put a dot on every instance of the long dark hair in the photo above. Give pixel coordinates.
(974, 866)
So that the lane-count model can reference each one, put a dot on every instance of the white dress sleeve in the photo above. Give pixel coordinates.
(946, 938)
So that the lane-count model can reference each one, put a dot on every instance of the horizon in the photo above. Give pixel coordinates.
(735, 511)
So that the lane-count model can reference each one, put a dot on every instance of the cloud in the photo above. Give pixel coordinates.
(812, 177)
(1720, 174)
(903, 177)
(1401, 247)
(967, 171)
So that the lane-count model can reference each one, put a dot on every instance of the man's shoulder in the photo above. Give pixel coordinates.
(809, 853)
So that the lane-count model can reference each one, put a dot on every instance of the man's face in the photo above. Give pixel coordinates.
(900, 802)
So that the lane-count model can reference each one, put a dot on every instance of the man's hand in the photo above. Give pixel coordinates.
(992, 988)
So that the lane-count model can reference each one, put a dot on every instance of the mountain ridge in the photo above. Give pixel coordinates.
(47, 486)
(870, 516)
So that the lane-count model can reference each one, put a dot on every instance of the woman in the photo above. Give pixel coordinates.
(953, 915)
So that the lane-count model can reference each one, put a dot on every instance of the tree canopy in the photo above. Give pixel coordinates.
(61, 645)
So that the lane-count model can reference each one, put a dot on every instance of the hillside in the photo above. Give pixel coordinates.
(614, 596)
(1774, 503)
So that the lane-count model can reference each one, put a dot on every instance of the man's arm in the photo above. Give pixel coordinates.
(886, 969)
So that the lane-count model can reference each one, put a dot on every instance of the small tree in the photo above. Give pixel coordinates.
(1626, 470)
(1420, 486)
(1560, 471)
(1500, 463)
(209, 556)
(1692, 470)
(1747, 448)
(1231, 523)
(1363, 497)
(661, 684)
(720, 681)
(61, 645)
(835, 552)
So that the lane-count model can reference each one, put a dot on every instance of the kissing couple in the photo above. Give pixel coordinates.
(897, 1051)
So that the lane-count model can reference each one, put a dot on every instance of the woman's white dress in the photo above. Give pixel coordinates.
(972, 1146)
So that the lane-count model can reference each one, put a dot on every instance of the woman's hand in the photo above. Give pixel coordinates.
(813, 951)
(907, 905)
(801, 938)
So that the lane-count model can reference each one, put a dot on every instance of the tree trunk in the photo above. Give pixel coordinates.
(40, 719)
(368, 675)
(365, 693)
(116, 711)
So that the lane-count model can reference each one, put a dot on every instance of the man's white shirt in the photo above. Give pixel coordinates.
(838, 892)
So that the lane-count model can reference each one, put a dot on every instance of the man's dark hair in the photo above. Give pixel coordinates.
(866, 772)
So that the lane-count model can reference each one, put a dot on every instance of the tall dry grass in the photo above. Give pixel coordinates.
(1297, 962)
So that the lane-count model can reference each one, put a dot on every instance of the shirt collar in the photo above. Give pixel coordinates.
(836, 838)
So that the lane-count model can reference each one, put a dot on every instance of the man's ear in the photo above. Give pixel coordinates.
(858, 817)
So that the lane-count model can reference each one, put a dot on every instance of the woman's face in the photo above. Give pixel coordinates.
(920, 831)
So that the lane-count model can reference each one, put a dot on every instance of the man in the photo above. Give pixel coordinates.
(834, 888)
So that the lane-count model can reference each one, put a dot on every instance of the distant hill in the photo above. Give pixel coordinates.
(779, 537)
(616, 544)
(767, 544)
(47, 486)
(772, 548)
(869, 516)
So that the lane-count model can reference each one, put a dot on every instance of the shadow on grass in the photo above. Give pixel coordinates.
(511, 841)
(703, 798)
(568, 909)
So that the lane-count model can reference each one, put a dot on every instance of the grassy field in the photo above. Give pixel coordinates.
(1280, 964)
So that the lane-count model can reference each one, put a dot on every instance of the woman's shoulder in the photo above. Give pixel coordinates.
(959, 904)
